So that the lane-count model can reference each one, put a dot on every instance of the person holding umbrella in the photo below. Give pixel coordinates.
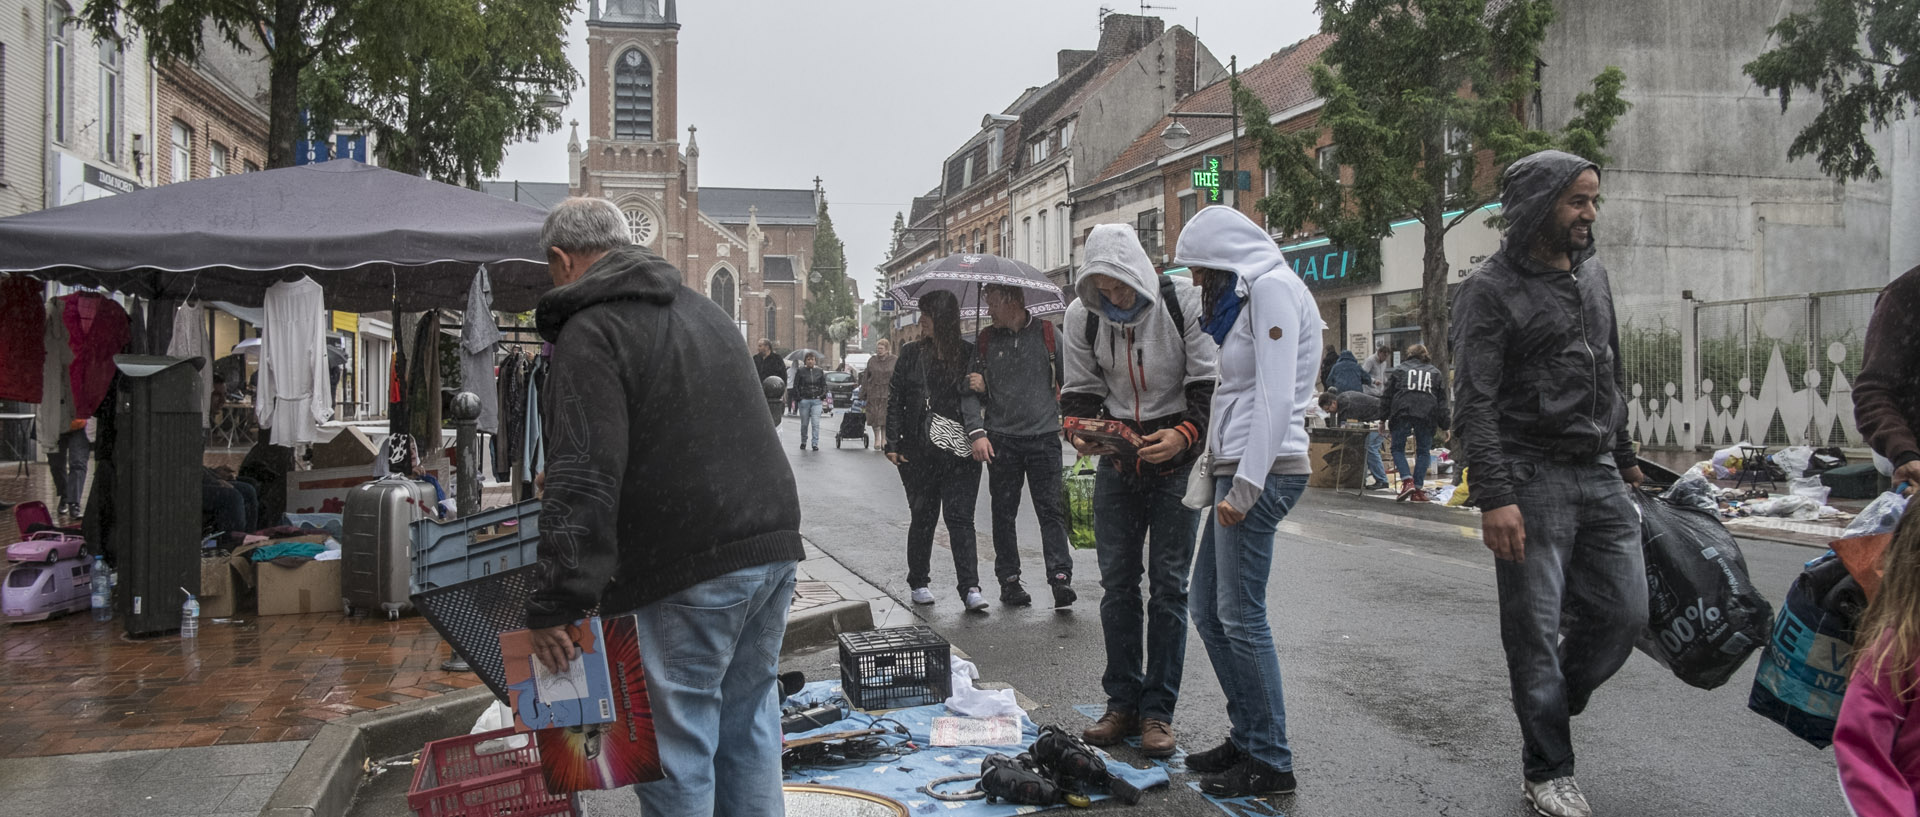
(927, 428)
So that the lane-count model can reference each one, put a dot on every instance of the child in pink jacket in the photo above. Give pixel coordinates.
(1879, 757)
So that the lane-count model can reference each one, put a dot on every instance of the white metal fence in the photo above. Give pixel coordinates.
(1773, 371)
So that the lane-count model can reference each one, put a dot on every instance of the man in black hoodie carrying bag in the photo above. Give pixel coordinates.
(667, 496)
(1539, 401)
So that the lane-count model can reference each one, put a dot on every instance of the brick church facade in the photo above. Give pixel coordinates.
(749, 249)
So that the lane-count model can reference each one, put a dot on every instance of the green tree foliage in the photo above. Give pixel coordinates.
(1417, 94)
(295, 33)
(446, 85)
(1858, 54)
(830, 299)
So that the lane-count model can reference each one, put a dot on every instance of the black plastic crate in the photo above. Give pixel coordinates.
(889, 669)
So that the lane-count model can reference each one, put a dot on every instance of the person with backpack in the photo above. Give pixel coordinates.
(1016, 372)
(1416, 401)
(1133, 356)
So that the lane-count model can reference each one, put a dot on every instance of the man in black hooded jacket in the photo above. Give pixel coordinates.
(667, 496)
(1539, 400)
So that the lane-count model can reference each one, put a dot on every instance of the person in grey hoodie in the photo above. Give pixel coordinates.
(1131, 355)
(1268, 328)
(1538, 399)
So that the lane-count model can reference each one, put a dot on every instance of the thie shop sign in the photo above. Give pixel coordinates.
(1211, 179)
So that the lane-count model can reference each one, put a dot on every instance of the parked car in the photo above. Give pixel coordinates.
(840, 386)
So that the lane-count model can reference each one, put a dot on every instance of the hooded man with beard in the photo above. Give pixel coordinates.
(1539, 401)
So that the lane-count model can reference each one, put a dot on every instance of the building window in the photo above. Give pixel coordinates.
(1188, 202)
(247, 166)
(722, 289)
(60, 70)
(182, 151)
(1026, 238)
(1147, 227)
(966, 173)
(1066, 134)
(640, 226)
(1006, 234)
(633, 96)
(216, 159)
(996, 142)
(110, 100)
(767, 331)
(1039, 150)
(1065, 229)
(1456, 147)
(1328, 160)
(1042, 257)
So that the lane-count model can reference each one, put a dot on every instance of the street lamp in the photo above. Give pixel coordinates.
(1176, 136)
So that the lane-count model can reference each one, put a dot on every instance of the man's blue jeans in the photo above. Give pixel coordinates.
(1230, 613)
(1136, 516)
(711, 652)
(1398, 429)
(1585, 577)
(809, 422)
(1374, 466)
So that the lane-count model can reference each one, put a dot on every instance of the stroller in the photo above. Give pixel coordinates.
(853, 426)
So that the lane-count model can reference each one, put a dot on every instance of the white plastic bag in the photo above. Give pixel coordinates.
(1693, 490)
(1809, 487)
(498, 716)
(1880, 516)
(1794, 460)
(1787, 507)
(969, 702)
(1727, 460)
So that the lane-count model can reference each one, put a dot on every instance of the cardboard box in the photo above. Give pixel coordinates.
(324, 490)
(1339, 457)
(219, 590)
(313, 587)
(348, 449)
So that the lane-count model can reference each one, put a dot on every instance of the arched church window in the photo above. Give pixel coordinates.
(633, 96)
(721, 290)
(773, 313)
(640, 227)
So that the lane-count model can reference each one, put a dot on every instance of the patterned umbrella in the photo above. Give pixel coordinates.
(966, 275)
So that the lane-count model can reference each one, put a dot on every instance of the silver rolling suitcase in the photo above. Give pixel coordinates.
(376, 544)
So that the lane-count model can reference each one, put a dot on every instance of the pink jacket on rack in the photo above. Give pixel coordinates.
(1879, 758)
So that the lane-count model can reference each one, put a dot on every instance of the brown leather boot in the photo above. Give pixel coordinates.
(1156, 738)
(1111, 728)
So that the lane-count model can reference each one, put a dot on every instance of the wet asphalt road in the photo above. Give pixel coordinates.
(1384, 617)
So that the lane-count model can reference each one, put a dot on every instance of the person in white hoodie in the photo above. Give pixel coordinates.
(1136, 353)
(1268, 328)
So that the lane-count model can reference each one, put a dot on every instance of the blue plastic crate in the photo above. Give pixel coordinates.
(447, 553)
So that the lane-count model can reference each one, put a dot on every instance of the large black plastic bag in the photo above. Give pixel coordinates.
(1704, 615)
(1803, 672)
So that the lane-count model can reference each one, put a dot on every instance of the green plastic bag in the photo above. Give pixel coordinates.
(1079, 486)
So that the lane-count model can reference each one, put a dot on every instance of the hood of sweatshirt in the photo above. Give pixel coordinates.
(1114, 250)
(1532, 185)
(1220, 237)
(628, 273)
(1346, 356)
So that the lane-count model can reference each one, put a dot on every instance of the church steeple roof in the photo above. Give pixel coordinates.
(638, 12)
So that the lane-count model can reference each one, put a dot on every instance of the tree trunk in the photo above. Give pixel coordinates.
(1434, 276)
(283, 82)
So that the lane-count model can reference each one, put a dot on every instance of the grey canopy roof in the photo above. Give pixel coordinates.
(372, 238)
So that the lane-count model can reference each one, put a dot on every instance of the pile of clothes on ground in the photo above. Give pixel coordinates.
(1798, 466)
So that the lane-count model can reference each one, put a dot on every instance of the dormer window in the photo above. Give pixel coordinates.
(633, 96)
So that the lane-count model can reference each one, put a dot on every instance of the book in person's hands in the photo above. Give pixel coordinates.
(1111, 434)
(608, 755)
(541, 699)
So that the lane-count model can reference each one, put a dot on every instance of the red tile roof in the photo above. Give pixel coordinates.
(1281, 81)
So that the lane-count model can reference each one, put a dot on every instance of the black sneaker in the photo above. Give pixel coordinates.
(1248, 778)
(1216, 760)
(1013, 595)
(1063, 597)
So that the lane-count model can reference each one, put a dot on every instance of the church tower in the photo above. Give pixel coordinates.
(632, 153)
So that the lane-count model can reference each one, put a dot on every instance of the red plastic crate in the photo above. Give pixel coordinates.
(455, 778)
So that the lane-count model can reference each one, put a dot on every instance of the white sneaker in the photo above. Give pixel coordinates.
(976, 603)
(922, 595)
(1559, 797)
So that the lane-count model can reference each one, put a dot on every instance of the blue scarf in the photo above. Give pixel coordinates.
(1122, 316)
(1224, 314)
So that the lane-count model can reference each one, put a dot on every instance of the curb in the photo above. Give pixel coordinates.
(822, 626)
(326, 778)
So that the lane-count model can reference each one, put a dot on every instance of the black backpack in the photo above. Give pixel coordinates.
(1167, 299)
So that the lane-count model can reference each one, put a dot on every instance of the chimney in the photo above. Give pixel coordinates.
(1070, 59)
(1123, 34)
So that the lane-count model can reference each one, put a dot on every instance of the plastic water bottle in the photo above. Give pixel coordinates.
(102, 591)
(189, 616)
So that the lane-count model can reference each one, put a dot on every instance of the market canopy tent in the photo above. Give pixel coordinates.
(372, 238)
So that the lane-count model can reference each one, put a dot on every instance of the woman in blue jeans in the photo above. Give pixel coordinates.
(1268, 328)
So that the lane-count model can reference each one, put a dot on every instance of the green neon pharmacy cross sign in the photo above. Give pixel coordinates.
(1207, 177)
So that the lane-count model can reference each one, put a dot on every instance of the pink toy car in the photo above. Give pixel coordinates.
(38, 591)
(46, 546)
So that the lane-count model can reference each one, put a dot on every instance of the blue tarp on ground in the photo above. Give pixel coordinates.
(902, 777)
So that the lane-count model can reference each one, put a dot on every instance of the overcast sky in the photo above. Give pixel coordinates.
(871, 95)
